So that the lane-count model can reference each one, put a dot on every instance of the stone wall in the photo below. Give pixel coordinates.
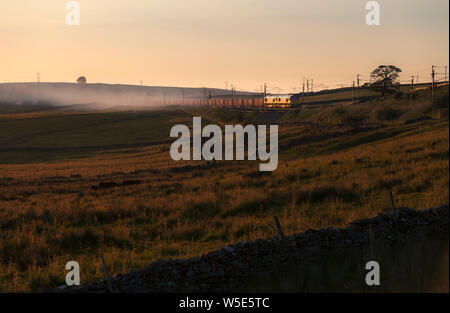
(219, 270)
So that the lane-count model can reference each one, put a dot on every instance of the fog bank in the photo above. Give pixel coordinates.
(101, 95)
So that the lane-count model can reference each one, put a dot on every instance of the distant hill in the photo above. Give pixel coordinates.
(100, 95)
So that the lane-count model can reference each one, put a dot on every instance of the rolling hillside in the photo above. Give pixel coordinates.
(90, 96)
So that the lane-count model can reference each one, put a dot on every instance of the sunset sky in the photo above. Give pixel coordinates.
(196, 43)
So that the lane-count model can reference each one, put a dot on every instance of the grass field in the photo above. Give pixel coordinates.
(329, 174)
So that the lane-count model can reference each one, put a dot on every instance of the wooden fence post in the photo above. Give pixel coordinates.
(108, 279)
(280, 230)
(395, 214)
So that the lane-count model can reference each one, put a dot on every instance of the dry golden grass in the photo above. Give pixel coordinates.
(49, 214)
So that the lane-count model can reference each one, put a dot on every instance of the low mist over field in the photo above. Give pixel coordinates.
(99, 95)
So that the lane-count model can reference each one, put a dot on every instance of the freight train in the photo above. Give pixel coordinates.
(248, 101)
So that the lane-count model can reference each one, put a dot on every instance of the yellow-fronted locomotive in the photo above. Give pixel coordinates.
(277, 101)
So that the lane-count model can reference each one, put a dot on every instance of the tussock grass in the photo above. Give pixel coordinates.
(49, 214)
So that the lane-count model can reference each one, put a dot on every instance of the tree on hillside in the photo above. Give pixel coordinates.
(386, 76)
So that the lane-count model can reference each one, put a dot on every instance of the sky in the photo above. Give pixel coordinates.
(216, 43)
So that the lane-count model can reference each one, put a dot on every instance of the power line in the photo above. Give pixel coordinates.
(357, 90)
(353, 87)
(432, 85)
